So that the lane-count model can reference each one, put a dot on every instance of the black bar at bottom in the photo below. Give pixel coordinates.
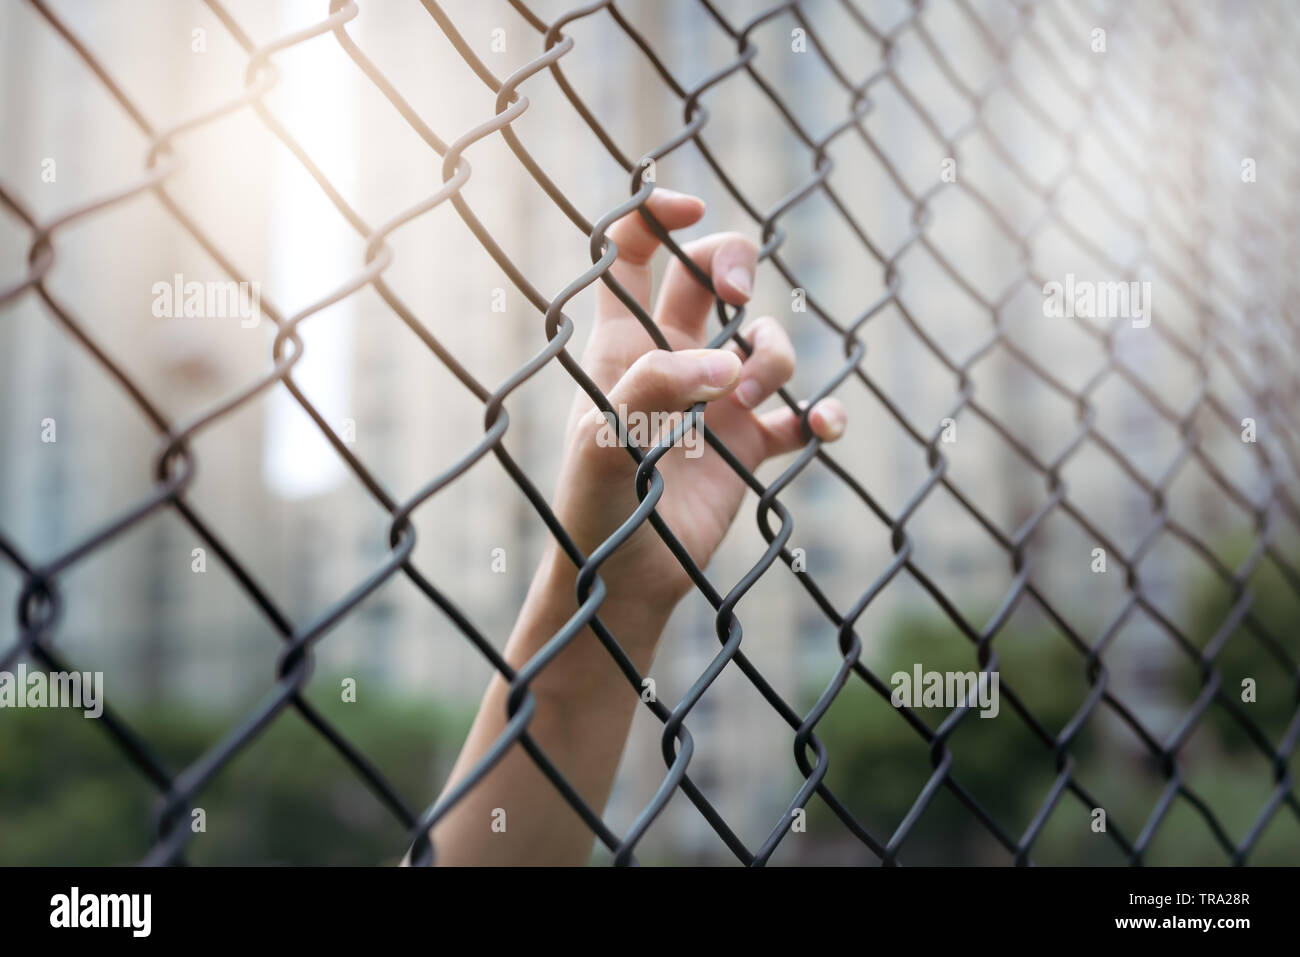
(333, 906)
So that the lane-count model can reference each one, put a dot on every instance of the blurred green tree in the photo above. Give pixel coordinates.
(69, 796)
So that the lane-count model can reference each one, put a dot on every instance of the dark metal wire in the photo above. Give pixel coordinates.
(1218, 339)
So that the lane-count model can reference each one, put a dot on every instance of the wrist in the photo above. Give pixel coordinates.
(639, 609)
(584, 665)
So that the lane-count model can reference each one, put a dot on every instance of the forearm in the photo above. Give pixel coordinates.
(584, 705)
(584, 710)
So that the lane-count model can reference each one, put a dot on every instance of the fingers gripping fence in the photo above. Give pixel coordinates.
(1242, 331)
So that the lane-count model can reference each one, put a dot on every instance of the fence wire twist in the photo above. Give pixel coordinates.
(1239, 336)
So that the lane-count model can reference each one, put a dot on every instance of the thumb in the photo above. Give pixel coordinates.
(662, 381)
(658, 382)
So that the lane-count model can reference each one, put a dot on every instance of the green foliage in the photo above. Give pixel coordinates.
(879, 765)
(69, 796)
(1256, 649)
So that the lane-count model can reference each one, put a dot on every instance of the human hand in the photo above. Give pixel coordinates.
(701, 493)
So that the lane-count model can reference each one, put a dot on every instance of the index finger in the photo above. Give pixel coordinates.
(637, 245)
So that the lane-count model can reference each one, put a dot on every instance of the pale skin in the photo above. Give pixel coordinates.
(584, 704)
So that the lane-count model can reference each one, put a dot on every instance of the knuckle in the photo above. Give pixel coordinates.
(652, 371)
(591, 420)
(766, 331)
(773, 347)
(597, 440)
(783, 362)
(591, 426)
(739, 239)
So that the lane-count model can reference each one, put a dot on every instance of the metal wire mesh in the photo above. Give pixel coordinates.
(1224, 262)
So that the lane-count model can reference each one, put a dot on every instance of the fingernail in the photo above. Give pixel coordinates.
(748, 392)
(834, 418)
(739, 278)
(721, 368)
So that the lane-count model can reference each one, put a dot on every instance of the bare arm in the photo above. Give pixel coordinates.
(584, 705)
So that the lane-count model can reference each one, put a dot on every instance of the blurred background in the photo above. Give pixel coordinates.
(1124, 162)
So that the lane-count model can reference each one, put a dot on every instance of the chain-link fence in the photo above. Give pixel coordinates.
(1043, 250)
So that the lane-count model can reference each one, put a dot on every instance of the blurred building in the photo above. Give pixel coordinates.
(308, 530)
